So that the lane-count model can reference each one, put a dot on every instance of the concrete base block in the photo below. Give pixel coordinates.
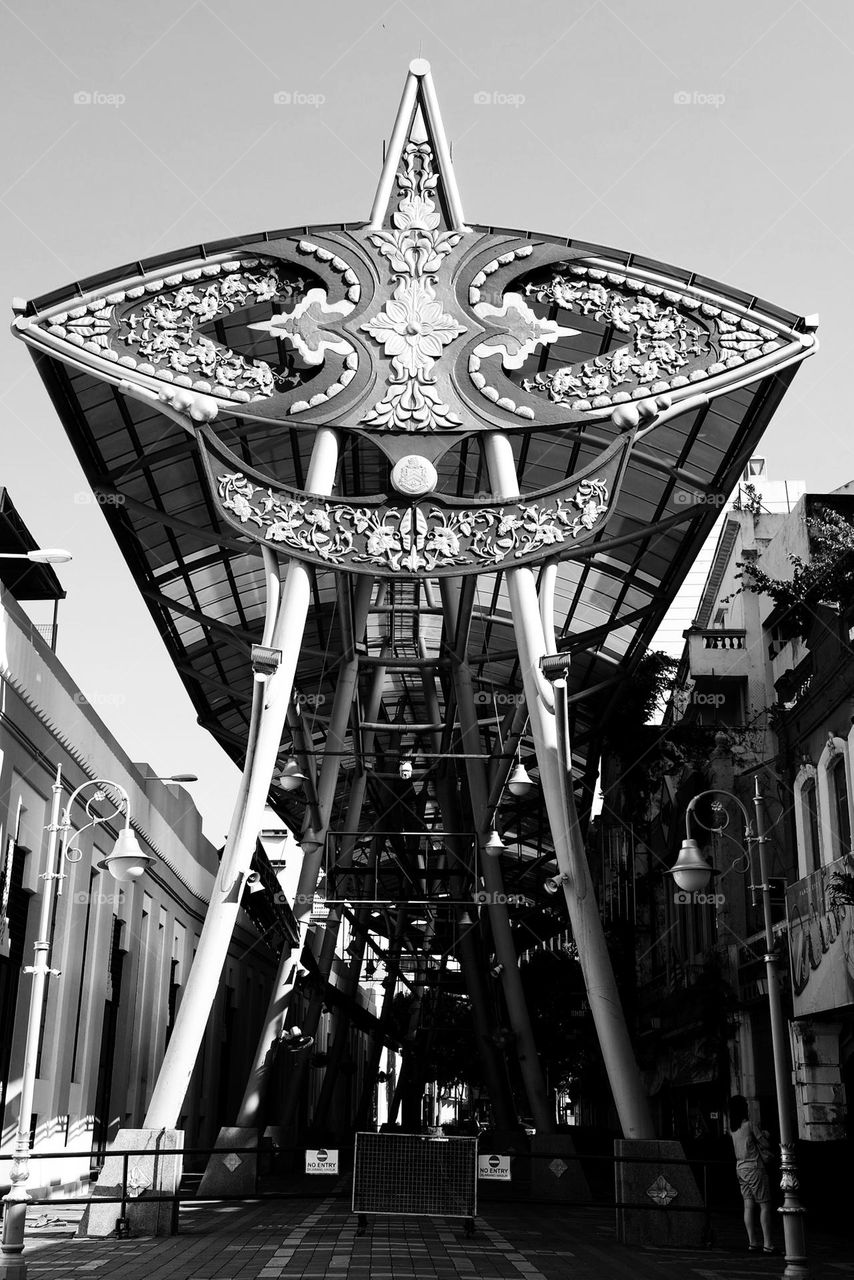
(148, 1175)
(231, 1173)
(679, 1219)
(556, 1171)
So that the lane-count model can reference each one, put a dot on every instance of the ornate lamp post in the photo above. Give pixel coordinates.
(126, 863)
(692, 873)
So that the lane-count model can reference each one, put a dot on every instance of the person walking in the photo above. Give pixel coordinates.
(750, 1146)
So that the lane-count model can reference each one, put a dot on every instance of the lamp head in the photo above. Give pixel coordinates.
(405, 770)
(127, 862)
(49, 555)
(520, 783)
(292, 777)
(691, 871)
(493, 846)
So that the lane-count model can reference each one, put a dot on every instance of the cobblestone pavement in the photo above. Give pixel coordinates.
(308, 1239)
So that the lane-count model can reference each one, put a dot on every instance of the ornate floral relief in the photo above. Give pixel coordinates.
(412, 327)
(305, 329)
(165, 332)
(522, 331)
(417, 539)
(663, 340)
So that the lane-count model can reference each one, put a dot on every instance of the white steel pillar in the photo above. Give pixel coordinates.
(499, 920)
(284, 627)
(280, 997)
(555, 776)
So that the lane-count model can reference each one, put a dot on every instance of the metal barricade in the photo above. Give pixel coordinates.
(415, 1174)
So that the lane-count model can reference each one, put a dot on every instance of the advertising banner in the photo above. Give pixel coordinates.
(820, 910)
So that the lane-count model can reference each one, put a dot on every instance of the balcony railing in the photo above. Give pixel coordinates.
(716, 652)
(719, 639)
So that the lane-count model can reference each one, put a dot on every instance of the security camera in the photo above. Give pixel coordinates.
(405, 770)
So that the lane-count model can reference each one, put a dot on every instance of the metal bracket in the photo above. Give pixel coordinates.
(265, 661)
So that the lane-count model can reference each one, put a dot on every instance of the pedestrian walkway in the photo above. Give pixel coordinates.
(307, 1240)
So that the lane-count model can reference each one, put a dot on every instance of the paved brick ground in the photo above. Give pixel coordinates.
(308, 1239)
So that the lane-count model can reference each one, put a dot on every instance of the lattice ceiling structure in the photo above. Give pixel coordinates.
(192, 386)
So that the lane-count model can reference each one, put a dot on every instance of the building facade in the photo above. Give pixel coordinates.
(763, 690)
(123, 951)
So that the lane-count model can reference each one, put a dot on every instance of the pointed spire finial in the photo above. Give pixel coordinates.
(418, 120)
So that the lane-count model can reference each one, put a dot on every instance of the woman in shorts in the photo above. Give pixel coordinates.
(752, 1177)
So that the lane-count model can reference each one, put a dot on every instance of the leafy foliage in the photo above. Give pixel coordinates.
(645, 693)
(827, 578)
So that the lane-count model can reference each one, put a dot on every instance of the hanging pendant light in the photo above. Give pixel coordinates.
(520, 783)
(494, 845)
(292, 777)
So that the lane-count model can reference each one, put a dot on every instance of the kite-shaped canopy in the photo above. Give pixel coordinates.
(192, 386)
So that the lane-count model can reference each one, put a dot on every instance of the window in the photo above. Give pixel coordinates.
(809, 816)
(839, 801)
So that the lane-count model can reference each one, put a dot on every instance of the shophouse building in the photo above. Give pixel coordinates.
(121, 952)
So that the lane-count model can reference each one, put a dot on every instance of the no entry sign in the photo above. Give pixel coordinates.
(493, 1168)
(321, 1161)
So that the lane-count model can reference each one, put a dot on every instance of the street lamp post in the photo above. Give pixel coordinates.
(691, 872)
(126, 863)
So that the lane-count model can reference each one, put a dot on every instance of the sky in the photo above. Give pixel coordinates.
(713, 139)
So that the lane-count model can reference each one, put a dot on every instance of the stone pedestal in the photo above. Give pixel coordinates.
(157, 1172)
(227, 1172)
(556, 1170)
(675, 1216)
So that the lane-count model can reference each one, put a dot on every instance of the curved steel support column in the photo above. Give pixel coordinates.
(474, 976)
(376, 1045)
(499, 919)
(280, 996)
(468, 951)
(270, 701)
(329, 934)
(550, 732)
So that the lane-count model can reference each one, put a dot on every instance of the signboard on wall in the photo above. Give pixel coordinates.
(820, 909)
(322, 1160)
(493, 1168)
